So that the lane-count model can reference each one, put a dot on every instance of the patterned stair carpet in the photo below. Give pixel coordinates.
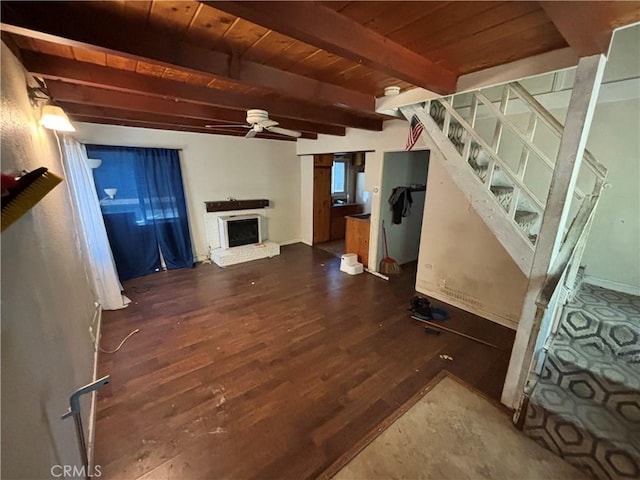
(586, 404)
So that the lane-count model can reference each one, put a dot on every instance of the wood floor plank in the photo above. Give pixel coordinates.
(270, 369)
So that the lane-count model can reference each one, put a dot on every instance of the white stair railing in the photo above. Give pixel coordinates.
(598, 169)
(516, 184)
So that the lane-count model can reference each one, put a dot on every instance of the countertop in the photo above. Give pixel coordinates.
(361, 216)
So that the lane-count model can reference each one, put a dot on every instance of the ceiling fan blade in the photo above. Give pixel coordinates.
(267, 123)
(284, 131)
(229, 126)
(251, 133)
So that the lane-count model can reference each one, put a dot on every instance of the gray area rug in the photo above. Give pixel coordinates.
(454, 433)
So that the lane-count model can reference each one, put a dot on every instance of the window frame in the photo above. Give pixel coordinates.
(341, 195)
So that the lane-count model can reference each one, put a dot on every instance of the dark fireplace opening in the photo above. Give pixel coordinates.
(243, 232)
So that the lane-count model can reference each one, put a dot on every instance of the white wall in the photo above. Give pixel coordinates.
(461, 261)
(612, 254)
(215, 167)
(402, 169)
(306, 199)
(47, 305)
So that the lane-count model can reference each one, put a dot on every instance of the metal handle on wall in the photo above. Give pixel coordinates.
(74, 410)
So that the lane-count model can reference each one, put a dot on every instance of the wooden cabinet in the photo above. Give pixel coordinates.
(357, 238)
(338, 214)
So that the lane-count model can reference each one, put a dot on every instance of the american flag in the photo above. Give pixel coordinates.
(414, 132)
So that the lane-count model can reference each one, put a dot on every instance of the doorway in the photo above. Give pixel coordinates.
(338, 194)
(402, 196)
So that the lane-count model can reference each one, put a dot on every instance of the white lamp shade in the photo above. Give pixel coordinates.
(111, 192)
(54, 118)
(94, 162)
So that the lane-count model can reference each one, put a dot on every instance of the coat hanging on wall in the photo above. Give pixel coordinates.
(400, 201)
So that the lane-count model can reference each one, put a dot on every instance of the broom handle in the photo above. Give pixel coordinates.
(384, 236)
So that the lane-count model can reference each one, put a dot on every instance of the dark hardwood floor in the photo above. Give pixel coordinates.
(269, 369)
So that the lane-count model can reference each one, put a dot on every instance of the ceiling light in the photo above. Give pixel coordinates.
(391, 91)
(54, 118)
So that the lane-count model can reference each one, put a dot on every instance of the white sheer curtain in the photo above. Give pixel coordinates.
(93, 235)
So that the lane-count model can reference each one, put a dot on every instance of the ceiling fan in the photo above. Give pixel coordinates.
(259, 121)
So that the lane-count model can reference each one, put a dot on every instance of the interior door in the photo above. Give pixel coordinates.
(322, 197)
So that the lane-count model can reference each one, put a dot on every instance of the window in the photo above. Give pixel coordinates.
(339, 178)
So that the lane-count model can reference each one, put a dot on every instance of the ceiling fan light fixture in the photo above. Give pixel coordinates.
(258, 122)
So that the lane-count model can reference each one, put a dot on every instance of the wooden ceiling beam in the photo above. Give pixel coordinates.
(326, 29)
(80, 94)
(584, 25)
(116, 116)
(58, 68)
(74, 24)
(177, 128)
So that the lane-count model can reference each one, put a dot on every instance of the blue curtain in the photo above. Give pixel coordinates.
(148, 213)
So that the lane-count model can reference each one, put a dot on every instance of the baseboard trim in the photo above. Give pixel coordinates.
(505, 322)
(291, 242)
(94, 395)
(612, 285)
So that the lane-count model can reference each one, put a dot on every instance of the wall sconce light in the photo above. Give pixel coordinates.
(94, 162)
(51, 116)
(54, 118)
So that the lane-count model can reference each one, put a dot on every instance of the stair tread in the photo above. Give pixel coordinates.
(501, 190)
(526, 214)
(587, 449)
(581, 388)
(612, 369)
(526, 220)
(478, 166)
(596, 419)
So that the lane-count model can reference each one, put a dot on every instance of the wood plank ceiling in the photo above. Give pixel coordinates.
(315, 66)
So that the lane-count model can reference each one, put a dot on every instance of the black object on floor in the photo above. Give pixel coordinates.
(432, 331)
(421, 308)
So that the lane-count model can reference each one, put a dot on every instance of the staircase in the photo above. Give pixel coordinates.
(496, 160)
(585, 404)
(583, 389)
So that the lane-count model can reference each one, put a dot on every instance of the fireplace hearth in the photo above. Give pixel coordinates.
(238, 238)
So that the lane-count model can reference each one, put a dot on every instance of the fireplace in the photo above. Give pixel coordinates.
(238, 230)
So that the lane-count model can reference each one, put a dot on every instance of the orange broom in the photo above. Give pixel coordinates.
(388, 265)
